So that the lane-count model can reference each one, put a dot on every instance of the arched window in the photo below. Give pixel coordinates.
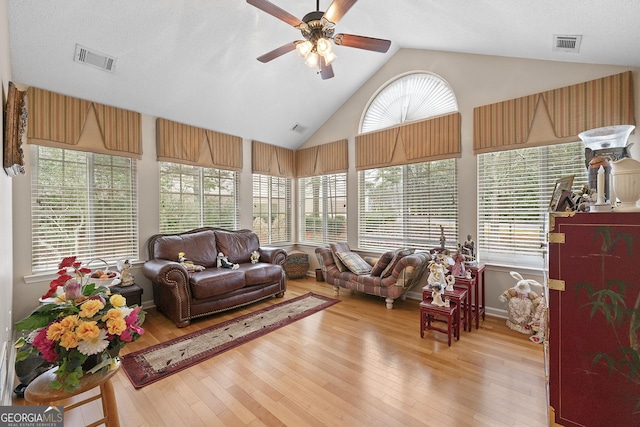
(413, 96)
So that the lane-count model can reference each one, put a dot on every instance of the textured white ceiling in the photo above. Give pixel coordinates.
(194, 61)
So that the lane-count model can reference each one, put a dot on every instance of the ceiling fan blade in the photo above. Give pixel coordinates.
(277, 52)
(337, 9)
(274, 10)
(362, 42)
(326, 71)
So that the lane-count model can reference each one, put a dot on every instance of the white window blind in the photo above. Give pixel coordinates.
(193, 197)
(404, 206)
(323, 209)
(410, 97)
(82, 204)
(272, 208)
(514, 191)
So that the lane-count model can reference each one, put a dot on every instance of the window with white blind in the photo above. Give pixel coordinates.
(404, 206)
(193, 197)
(82, 204)
(323, 209)
(272, 208)
(514, 190)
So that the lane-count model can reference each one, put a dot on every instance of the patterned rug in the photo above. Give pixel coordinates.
(161, 360)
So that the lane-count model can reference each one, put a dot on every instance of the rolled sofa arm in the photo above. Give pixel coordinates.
(272, 255)
(410, 269)
(171, 291)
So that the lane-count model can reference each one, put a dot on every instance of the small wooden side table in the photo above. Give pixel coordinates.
(471, 285)
(131, 293)
(39, 393)
(459, 296)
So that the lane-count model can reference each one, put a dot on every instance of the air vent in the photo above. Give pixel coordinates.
(94, 58)
(299, 128)
(563, 43)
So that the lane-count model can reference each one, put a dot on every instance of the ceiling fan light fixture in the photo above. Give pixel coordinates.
(304, 48)
(329, 57)
(312, 60)
(323, 46)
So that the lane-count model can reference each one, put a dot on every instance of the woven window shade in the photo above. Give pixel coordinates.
(322, 159)
(180, 143)
(426, 140)
(57, 120)
(271, 160)
(554, 116)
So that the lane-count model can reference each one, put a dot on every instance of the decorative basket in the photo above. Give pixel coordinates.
(102, 276)
(296, 265)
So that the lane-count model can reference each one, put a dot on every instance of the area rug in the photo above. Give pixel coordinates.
(154, 363)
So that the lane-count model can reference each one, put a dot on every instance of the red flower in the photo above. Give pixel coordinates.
(67, 262)
(45, 346)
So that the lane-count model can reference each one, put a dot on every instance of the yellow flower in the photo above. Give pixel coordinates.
(69, 340)
(116, 326)
(61, 298)
(114, 313)
(90, 308)
(69, 323)
(55, 331)
(87, 330)
(118, 300)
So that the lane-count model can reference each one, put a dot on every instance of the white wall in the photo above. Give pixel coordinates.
(476, 80)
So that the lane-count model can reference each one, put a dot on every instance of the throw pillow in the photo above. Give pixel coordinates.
(397, 256)
(339, 247)
(354, 262)
(382, 263)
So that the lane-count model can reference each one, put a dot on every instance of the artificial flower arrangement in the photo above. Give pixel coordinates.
(82, 322)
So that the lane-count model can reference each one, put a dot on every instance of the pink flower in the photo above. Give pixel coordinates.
(132, 326)
(45, 346)
(73, 289)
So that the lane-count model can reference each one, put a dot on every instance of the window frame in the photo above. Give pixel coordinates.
(329, 219)
(201, 178)
(104, 221)
(517, 238)
(419, 228)
(278, 193)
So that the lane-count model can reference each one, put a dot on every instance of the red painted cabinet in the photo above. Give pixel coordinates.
(593, 347)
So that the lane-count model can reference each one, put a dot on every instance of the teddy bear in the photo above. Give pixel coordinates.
(255, 257)
(522, 303)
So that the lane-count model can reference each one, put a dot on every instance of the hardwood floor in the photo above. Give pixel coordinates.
(353, 364)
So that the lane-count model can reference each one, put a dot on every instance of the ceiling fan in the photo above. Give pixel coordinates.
(317, 29)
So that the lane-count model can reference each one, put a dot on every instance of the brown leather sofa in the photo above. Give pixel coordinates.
(183, 295)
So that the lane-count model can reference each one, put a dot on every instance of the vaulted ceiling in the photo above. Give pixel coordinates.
(194, 61)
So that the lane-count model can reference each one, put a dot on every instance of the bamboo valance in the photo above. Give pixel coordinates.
(426, 140)
(180, 143)
(322, 159)
(59, 121)
(554, 116)
(272, 160)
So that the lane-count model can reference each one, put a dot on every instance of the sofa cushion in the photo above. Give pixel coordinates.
(198, 247)
(354, 262)
(339, 247)
(215, 281)
(382, 263)
(261, 273)
(237, 245)
(397, 256)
